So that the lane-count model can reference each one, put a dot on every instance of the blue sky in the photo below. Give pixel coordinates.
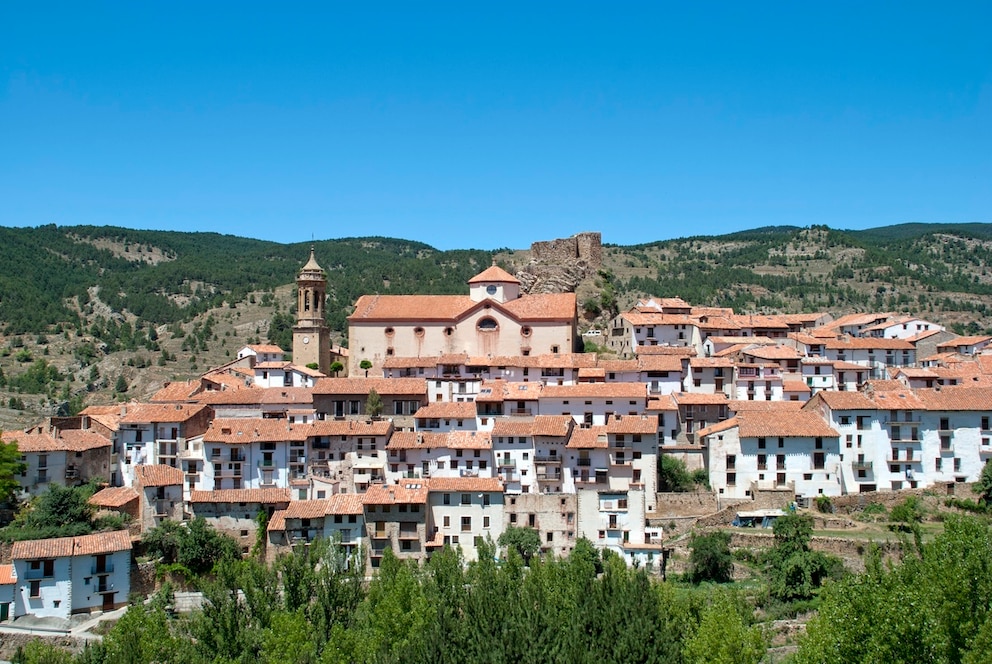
(485, 125)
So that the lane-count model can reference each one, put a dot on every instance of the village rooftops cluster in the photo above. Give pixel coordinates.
(487, 418)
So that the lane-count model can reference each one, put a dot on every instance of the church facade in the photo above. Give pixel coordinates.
(495, 319)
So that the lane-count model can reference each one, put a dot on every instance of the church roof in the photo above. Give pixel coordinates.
(494, 273)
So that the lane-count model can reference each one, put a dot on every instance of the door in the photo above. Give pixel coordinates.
(108, 601)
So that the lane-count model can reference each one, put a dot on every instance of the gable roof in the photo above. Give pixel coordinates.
(81, 545)
(158, 475)
(227, 496)
(113, 497)
(494, 273)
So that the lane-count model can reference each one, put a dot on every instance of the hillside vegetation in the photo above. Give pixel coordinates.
(89, 314)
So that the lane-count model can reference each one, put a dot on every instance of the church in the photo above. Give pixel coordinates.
(494, 319)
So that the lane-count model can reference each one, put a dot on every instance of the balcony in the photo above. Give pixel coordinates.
(521, 411)
(862, 465)
(71, 472)
(42, 478)
(554, 460)
(549, 477)
(903, 423)
(237, 457)
(464, 472)
(592, 481)
(893, 458)
(34, 574)
(228, 472)
(584, 463)
(266, 463)
(506, 463)
(913, 438)
(510, 476)
(104, 586)
(162, 508)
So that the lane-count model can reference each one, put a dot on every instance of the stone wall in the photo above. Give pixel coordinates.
(558, 266)
(678, 505)
(584, 247)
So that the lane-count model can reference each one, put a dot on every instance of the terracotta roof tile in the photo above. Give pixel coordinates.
(466, 484)
(462, 440)
(244, 430)
(277, 522)
(113, 497)
(82, 545)
(409, 492)
(699, 399)
(836, 400)
(176, 391)
(542, 425)
(350, 428)
(228, 496)
(149, 413)
(661, 404)
(307, 509)
(957, 398)
(802, 423)
(345, 503)
(76, 441)
(494, 273)
(265, 348)
(80, 440)
(641, 424)
(459, 410)
(7, 575)
(776, 352)
(158, 475)
(588, 438)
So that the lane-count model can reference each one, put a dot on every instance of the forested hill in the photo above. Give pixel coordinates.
(50, 275)
(940, 271)
(89, 314)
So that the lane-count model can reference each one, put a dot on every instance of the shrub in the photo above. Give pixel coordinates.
(710, 559)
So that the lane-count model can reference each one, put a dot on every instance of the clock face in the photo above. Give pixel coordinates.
(306, 340)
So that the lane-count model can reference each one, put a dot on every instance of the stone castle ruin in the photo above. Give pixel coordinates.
(558, 266)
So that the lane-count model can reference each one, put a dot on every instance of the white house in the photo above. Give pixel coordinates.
(67, 575)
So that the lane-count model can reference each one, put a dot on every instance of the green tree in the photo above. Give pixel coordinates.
(710, 559)
(366, 365)
(672, 475)
(984, 485)
(525, 541)
(724, 636)
(59, 512)
(934, 607)
(336, 368)
(11, 468)
(795, 571)
(121, 385)
(373, 404)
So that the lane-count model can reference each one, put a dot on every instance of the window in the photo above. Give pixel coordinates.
(466, 499)
(466, 524)
(485, 522)
(447, 521)
(487, 324)
(35, 589)
(446, 499)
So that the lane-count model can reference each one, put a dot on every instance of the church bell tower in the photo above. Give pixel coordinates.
(311, 336)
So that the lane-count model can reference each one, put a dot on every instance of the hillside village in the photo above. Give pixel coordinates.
(450, 418)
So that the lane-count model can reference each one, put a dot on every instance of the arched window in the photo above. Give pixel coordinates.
(487, 323)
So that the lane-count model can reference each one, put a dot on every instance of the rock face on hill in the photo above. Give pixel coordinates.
(559, 266)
